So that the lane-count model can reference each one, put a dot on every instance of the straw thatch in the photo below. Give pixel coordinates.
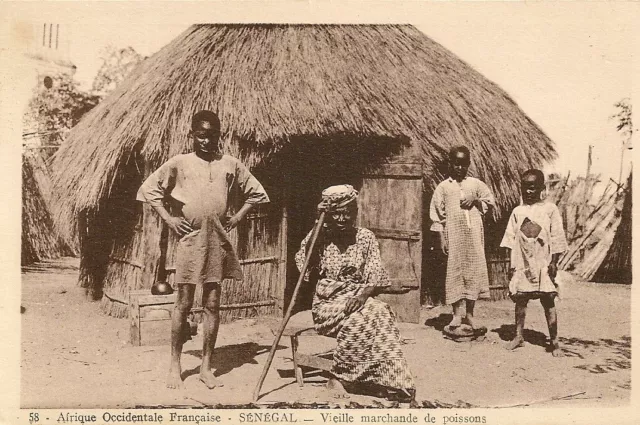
(592, 254)
(279, 89)
(40, 241)
(271, 83)
(616, 266)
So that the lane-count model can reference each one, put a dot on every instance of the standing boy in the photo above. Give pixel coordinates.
(200, 186)
(536, 239)
(458, 207)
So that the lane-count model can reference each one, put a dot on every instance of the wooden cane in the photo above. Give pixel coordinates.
(287, 316)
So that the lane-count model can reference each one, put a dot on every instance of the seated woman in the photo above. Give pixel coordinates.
(347, 268)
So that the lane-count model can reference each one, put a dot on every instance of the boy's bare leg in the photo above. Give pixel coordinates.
(469, 313)
(211, 304)
(459, 308)
(521, 313)
(181, 310)
(549, 305)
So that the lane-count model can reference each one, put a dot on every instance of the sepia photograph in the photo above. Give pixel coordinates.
(309, 206)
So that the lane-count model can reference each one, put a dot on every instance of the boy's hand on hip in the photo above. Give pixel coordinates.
(179, 225)
(553, 270)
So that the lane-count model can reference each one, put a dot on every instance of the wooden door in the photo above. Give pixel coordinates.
(390, 205)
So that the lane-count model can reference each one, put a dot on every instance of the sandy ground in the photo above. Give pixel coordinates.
(73, 356)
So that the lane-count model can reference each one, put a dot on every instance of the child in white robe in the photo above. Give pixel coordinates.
(536, 239)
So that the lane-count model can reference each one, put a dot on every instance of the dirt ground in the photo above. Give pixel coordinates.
(73, 356)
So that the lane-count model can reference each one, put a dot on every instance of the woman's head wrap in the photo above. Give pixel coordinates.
(337, 197)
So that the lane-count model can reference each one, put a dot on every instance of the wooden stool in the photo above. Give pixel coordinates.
(314, 361)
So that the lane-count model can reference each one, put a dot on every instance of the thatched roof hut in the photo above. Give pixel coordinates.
(40, 239)
(291, 97)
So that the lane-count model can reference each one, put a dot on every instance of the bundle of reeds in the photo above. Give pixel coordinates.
(40, 240)
(589, 248)
(616, 266)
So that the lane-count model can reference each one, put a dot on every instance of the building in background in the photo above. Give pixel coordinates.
(48, 52)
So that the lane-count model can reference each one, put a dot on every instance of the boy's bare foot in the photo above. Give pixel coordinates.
(556, 351)
(174, 380)
(455, 322)
(469, 321)
(209, 380)
(336, 388)
(515, 343)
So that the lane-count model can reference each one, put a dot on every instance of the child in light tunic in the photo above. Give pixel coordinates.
(536, 239)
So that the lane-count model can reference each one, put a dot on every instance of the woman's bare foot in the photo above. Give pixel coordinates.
(336, 388)
(207, 378)
(174, 380)
(515, 343)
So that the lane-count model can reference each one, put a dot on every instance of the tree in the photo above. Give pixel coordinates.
(59, 103)
(623, 117)
(625, 127)
(55, 110)
(116, 65)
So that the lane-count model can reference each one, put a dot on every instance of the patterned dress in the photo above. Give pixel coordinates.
(531, 253)
(368, 348)
(467, 274)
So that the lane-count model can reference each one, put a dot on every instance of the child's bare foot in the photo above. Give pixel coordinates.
(515, 343)
(336, 388)
(556, 351)
(209, 380)
(174, 380)
(469, 321)
(455, 322)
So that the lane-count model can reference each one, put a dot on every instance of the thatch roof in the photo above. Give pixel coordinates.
(40, 240)
(272, 84)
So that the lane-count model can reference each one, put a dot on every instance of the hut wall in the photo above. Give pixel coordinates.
(142, 251)
(258, 241)
(133, 260)
(126, 234)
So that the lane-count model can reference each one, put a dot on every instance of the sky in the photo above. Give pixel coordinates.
(564, 64)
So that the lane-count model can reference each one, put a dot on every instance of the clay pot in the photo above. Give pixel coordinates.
(161, 288)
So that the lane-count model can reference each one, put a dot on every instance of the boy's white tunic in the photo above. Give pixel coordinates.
(531, 256)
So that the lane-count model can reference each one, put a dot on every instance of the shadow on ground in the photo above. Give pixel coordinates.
(508, 332)
(229, 357)
(620, 358)
(438, 323)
